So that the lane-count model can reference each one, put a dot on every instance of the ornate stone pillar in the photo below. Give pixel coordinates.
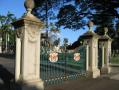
(106, 51)
(28, 50)
(92, 42)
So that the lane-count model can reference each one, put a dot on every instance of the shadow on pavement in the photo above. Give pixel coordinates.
(7, 81)
(9, 56)
(6, 78)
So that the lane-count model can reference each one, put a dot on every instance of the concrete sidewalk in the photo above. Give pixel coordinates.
(115, 77)
(87, 84)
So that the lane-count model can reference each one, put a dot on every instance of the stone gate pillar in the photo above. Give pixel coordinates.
(105, 42)
(91, 40)
(28, 50)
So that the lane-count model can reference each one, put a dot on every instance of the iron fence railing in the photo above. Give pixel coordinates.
(66, 68)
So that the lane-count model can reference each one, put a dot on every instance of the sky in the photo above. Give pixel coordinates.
(17, 8)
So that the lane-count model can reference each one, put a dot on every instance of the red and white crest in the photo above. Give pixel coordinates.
(77, 56)
(53, 57)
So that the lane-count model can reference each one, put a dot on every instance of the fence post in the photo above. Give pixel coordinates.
(91, 39)
(105, 40)
(0, 43)
(103, 56)
(28, 57)
(87, 57)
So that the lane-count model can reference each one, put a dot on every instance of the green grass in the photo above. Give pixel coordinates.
(114, 60)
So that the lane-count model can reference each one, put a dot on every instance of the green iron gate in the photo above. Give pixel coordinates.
(66, 68)
(99, 58)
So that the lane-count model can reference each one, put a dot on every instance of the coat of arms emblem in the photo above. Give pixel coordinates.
(53, 57)
(76, 56)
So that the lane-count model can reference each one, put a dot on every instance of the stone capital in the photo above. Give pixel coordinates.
(19, 32)
(28, 20)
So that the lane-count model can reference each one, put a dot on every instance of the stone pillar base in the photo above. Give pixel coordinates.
(94, 73)
(105, 70)
(33, 85)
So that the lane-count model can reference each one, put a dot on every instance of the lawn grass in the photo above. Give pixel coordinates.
(114, 59)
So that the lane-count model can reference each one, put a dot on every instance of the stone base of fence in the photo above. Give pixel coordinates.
(34, 85)
(94, 73)
(105, 70)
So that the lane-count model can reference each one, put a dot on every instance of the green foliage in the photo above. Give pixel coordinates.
(65, 41)
(102, 12)
(115, 60)
(69, 17)
(57, 42)
(44, 9)
(74, 14)
(6, 29)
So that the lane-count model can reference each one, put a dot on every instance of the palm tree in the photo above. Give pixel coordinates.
(6, 29)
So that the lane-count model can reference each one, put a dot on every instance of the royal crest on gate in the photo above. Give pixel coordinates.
(53, 57)
(76, 56)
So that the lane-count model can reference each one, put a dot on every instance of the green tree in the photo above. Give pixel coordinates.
(72, 15)
(6, 30)
(104, 13)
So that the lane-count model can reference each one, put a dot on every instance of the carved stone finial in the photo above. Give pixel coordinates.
(29, 5)
(90, 25)
(105, 30)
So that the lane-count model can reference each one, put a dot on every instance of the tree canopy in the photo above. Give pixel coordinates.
(74, 14)
(71, 15)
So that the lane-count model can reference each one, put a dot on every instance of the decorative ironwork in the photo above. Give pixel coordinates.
(99, 57)
(77, 56)
(61, 66)
(53, 57)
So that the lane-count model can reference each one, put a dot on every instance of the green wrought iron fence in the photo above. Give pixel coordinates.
(99, 58)
(66, 68)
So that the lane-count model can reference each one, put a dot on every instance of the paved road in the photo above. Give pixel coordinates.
(8, 63)
(115, 77)
(87, 84)
(6, 72)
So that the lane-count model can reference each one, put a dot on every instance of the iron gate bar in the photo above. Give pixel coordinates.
(64, 69)
(99, 58)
